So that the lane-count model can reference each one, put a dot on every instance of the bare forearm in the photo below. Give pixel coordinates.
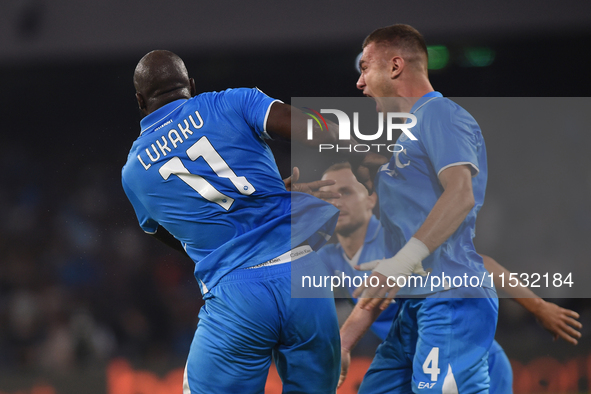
(291, 123)
(560, 322)
(449, 211)
(447, 214)
(523, 295)
(356, 325)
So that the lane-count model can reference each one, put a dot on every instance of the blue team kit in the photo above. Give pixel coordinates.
(499, 367)
(440, 339)
(202, 170)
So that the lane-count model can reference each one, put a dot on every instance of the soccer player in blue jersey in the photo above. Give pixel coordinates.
(429, 194)
(361, 241)
(202, 179)
(359, 233)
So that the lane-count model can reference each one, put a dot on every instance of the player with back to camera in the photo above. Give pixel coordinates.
(361, 241)
(202, 179)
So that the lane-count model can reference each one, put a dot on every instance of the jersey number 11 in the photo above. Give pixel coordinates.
(203, 148)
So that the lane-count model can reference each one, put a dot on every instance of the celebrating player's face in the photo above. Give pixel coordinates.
(355, 204)
(374, 80)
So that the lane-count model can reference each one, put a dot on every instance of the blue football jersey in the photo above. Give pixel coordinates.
(201, 169)
(408, 187)
(373, 248)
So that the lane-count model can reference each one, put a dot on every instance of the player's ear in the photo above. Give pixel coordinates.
(193, 89)
(397, 65)
(141, 102)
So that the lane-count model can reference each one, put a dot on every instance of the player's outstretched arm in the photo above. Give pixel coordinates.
(292, 124)
(353, 329)
(560, 322)
(451, 208)
(447, 214)
(168, 239)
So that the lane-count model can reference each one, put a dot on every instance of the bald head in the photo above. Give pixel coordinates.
(161, 77)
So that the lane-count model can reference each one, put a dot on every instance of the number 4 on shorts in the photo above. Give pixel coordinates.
(431, 364)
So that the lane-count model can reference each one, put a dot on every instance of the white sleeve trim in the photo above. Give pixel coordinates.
(421, 106)
(150, 232)
(459, 163)
(267, 114)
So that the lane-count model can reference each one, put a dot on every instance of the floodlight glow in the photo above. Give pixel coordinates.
(438, 56)
(479, 56)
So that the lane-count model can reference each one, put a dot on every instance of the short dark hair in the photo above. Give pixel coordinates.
(404, 37)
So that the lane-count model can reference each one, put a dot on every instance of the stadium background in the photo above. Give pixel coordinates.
(89, 304)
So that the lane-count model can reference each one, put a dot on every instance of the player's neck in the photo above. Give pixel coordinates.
(412, 90)
(353, 241)
(156, 103)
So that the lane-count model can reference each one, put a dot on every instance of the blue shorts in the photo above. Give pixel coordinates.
(251, 317)
(499, 368)
(436, 345)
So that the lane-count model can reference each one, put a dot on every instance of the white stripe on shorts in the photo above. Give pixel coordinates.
(186, 389)
(449, 384)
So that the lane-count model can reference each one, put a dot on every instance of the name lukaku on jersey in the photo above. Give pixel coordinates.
(173, 138)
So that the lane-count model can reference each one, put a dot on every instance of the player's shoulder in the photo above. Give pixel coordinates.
(232, 97)
(210, 96)
(442, 112)
(439, 106)
(231, 93)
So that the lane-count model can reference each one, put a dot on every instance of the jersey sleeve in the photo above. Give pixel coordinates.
(254, 106)
(451, 137)
(147, 224)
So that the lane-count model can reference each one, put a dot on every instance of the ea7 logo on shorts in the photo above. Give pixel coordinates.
(345, 124)
(426, 385)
